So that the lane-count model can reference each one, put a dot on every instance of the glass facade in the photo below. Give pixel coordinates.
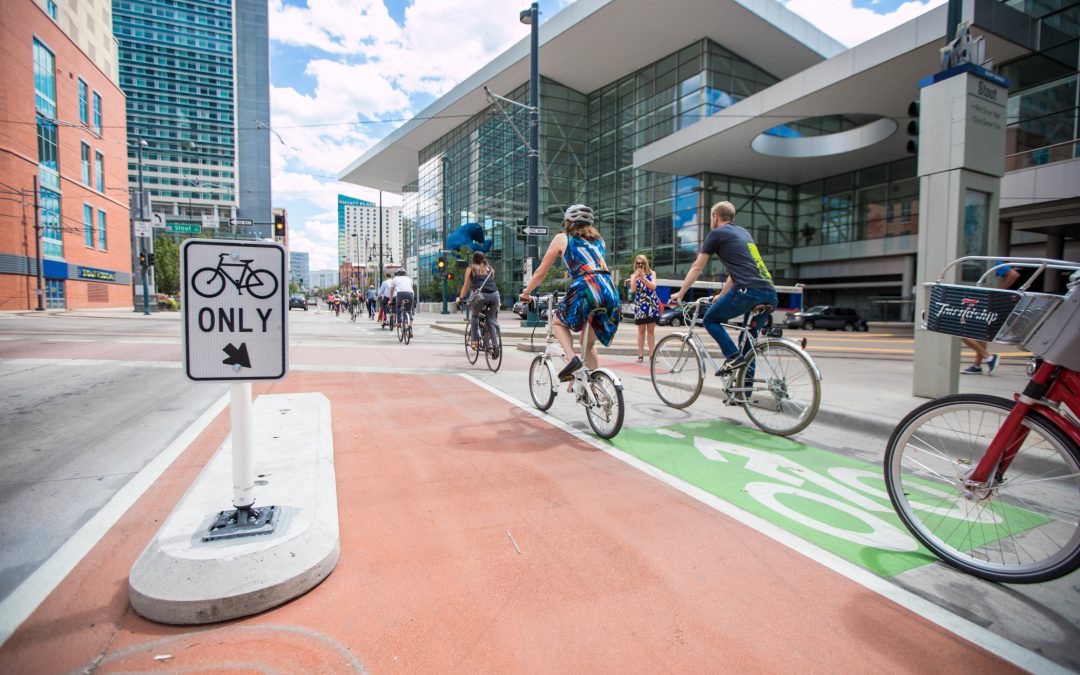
(177, 70)
(44, 81)
(1043, 111)
(478, 173)
(51, 243)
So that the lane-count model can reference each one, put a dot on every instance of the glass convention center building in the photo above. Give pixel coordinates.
(652, 112)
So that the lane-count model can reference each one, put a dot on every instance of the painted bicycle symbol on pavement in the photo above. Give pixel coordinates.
(209, 282)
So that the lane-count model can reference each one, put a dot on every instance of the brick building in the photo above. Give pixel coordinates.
(62, 121)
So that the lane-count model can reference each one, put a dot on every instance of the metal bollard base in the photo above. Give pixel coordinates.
(245, 521)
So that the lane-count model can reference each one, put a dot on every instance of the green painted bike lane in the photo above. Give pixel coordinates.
(836, 502)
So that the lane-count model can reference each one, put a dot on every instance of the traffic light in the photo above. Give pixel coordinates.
(279, 224)
(150, 259)
(522, 224)
(449, 276)
(441, 264)
(913, 128)
(142, 260)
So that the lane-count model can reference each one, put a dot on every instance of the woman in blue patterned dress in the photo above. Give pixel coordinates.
(591, 288)
(646, 304)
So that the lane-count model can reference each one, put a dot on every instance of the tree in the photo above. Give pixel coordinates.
(166, 265)
(294, 288)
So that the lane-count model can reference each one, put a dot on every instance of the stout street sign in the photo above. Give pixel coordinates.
(234, 310)
(182, 228)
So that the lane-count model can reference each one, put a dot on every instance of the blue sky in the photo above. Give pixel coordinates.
(345, 73)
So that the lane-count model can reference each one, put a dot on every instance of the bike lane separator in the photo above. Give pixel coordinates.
(996, 644)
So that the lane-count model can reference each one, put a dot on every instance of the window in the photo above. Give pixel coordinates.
(102, 244)
(85, 164)
(97, 113)
(48, 168)
(44, 81)
(88, 225)
(51, 244)
(84, 103)
(99, 172)
(53, 10)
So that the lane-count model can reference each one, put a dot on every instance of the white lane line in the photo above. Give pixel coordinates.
(22, 602)
(993, 643)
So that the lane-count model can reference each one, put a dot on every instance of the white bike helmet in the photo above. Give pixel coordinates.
(579, 213)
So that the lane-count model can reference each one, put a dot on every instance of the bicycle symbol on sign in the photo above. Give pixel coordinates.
(209, 282)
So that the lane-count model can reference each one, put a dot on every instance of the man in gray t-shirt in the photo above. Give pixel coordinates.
(748, 280)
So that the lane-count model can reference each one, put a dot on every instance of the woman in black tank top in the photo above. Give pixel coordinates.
(480, 290)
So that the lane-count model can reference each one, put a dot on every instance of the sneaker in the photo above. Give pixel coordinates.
(991, 363)
(972, 370)
(733, 363)
(567, 373)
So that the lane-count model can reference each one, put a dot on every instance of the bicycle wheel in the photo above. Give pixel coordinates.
(783, 395)
(208, 282)
(406, 330)
(470, 353)
(606, 417)
(399, 326)
(541, 383)
(493, 352)
(677, 371)
(261, 284)
(1024, 528)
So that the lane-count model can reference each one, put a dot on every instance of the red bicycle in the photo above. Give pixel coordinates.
(991, 485)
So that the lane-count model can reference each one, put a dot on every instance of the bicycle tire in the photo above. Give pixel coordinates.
(406, 330)
(471, 354)
(399, 327)
(493, 353)
(541, 383)
(785, 394)
(606, 417)
(1019, 531)
(204, 286)
(677, 371)
(264, 281)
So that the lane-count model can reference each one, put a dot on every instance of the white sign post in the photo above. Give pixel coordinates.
(235, 329)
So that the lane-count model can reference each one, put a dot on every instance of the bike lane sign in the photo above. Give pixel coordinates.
(234, 310)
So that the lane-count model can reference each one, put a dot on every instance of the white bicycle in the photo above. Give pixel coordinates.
(779, 385)
(600, 391)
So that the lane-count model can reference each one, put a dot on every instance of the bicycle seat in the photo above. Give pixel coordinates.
(760, 309)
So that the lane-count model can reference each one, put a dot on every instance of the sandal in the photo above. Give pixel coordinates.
(640, 359)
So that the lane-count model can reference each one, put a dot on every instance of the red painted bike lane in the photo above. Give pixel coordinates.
(477, 537)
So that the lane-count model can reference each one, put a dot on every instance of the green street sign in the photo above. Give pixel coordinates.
(180, 228)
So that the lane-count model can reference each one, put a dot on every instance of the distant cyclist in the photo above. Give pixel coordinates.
(371, 295)
(480, 290)
(748, 281)
(591, 288)
(384, 298)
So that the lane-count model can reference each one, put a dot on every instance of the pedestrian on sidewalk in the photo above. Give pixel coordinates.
(1008, 278)
(582, 251)
(642, 284)
(480, 291)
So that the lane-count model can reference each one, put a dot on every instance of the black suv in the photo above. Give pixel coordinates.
(829, 317)
(298, 301)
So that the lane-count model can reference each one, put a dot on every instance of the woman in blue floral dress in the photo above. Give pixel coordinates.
(646, 304)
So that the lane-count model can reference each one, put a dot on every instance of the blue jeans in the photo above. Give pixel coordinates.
(736, 302)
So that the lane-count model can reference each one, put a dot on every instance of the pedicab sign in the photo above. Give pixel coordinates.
(234, 310)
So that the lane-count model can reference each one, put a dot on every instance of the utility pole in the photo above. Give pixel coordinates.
(144, 261)
(380, 239)
(531, 16)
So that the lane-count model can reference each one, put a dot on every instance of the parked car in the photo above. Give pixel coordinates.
(312, 300)
(522, 309)
(675, 315)
(298, 301)
(829, 317)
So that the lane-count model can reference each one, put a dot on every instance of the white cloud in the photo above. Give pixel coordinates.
(850, 25)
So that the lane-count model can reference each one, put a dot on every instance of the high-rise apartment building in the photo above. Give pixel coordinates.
(358, 234)
(299, 272)
(63, 178)
(196, 79)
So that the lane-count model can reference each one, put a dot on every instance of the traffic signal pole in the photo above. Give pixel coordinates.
(532, 17)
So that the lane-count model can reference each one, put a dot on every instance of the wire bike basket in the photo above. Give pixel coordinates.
(990, 314)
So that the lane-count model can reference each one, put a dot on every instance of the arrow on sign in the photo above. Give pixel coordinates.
(237, 356)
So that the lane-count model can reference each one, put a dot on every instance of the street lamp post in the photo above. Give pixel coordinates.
(144, 258)
(531, 16)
